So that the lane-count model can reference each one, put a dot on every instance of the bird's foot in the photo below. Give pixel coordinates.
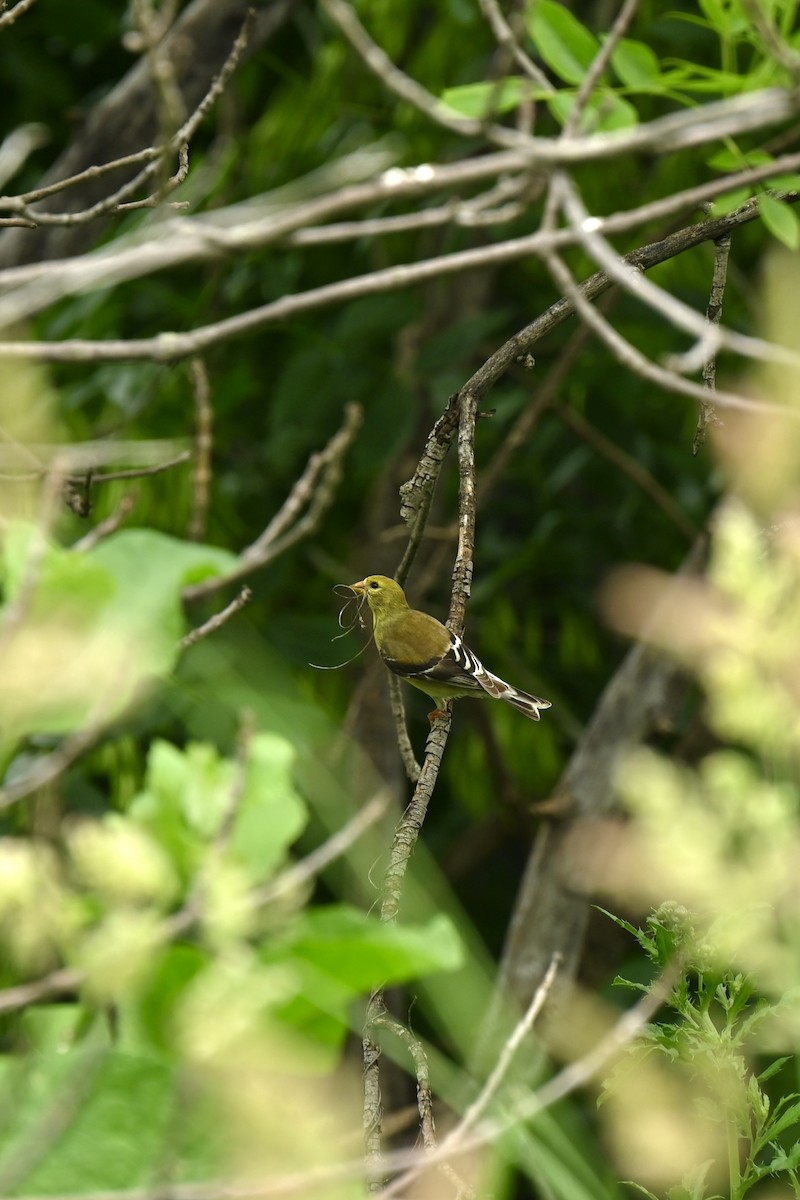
(437, 712)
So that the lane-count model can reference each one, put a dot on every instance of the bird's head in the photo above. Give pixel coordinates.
(383, 594)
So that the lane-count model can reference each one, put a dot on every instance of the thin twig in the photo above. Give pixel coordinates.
(683, 316)
(467, 509)
(57, 983)
(218, 620)
(427, 1126)
(139, 472)
(412, 767)
(169, 346)
(568, 1080)
(110, 525)
(422, 1070)
(8, 18)
(598, 65)
(707, 415)
(406, 88)
(49, 767)
(629, 466)
(204, 441)
(153, 158)
(403, 843)
(627, 354)
(309, 867)
(416, 494)
(507, 38)
(314, 491)
(505, 1058)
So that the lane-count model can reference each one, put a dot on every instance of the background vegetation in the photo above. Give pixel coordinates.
(341, 248)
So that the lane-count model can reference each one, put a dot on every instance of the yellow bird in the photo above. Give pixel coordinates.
(427, 655)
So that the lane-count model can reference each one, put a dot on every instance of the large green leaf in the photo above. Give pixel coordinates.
(780, 220)
(114, 1114)
(271, 814)
(566, 46)
(150, 570)
(360, 951)
(189, 792)
(91, 628)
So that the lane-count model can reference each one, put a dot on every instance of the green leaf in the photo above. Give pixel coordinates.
(271, 814)
(484, 99)
(360, 951)
(780, 220)
(788, 1117)
(604, 112)
(729, 201)
(636, 65)
(156, 1005)
(783, 1161)
(150, 570)
(57, 662)
(733, 159)
(117, 1113)
(188, 793)
(95, 627)
(195, 784)
(566, 46)
(773, 1068)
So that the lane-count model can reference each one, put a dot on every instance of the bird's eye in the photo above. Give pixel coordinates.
(374, 585)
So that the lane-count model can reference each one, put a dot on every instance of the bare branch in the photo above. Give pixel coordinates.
(467, 509)
(633, 359)
(416, 494)
(598, 65)
(251, 228)
(142, 472)
(154, 157)
(196, 238)
(406, 88)
(629, 466)
(166, 347)
(218, 620)
(64, 980)
(682, 315)
(412, 767)
(314, 491)
(505, 1058)
(204, 442)
(49, 767)
(507, 38)
(567, 1081)
(707, 415)
(110, 525)
(21, 7)
(312, 865)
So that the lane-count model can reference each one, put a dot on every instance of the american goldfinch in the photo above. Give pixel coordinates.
(425, 653)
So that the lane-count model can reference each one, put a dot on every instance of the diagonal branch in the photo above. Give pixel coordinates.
(314, 491)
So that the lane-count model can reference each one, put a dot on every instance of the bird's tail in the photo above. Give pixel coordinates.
(524, 702)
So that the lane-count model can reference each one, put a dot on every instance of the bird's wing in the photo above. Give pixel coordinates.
(457, 667)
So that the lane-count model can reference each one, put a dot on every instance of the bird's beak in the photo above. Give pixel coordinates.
(360, 587)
